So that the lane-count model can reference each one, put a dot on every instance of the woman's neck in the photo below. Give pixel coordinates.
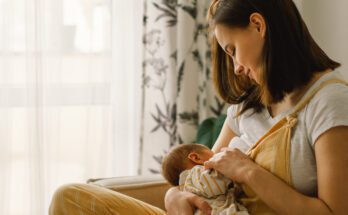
(297, 94)
(291, 99)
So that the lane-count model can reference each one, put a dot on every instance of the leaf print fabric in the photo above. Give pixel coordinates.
(177, 88)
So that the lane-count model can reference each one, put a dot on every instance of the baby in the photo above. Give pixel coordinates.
(183, 166)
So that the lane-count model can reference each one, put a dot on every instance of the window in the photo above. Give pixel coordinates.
(69, 96)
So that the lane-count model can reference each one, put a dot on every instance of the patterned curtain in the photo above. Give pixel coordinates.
(177, 87)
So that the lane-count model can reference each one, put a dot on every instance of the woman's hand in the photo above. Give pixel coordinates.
(232, 163)
(184, 203)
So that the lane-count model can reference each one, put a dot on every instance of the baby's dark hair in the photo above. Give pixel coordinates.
(174, 162)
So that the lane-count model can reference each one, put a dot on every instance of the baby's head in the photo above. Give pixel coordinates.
(182, 157)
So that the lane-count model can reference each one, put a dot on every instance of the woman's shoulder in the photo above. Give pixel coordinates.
(327, 109)
(234, 111)
(333, 95)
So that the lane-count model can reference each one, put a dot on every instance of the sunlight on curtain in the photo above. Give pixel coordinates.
(69, 92)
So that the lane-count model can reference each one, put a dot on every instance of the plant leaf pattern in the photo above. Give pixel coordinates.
(176, 83)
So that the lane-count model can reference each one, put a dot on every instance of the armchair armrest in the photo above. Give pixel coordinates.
(149, 189)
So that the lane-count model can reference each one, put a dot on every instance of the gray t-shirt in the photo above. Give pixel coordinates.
(327, 109)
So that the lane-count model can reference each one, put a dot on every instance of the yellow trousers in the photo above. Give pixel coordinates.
(84, 199)
(272, 152)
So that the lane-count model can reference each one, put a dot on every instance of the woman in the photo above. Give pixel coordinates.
(269, 66)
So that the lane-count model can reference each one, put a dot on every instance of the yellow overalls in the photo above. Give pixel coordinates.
(272, 152)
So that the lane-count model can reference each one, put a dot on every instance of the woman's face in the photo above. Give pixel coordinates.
(244, 46)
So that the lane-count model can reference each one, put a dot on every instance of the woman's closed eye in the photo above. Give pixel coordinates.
(229, 51)
(233, 52)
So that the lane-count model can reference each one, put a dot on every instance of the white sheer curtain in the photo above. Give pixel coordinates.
(69, 91)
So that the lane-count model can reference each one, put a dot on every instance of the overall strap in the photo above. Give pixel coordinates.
(306, 100)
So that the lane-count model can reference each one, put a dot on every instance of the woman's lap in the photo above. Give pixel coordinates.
(90, 199)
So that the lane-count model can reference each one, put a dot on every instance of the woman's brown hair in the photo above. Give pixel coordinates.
(290, 54)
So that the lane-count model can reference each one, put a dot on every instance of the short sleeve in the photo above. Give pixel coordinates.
(233, 120)
(327, 109)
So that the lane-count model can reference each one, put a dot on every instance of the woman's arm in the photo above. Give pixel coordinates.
(332, 164)
(184, 203)
(331, 150)
(224, 138)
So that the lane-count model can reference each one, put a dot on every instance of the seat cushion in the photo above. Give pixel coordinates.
(150, 189)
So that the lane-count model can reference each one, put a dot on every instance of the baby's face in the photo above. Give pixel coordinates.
(198, 157)
(206, 155)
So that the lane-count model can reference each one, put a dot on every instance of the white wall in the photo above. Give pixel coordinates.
(327, 22)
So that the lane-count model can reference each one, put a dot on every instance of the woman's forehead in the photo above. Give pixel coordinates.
(224, 35)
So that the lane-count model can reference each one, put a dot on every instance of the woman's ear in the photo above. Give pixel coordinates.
(258, 22)
(195, 158)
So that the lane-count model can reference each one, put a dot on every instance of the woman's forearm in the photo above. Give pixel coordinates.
(184, 203)
(282, 198)
(170, 196)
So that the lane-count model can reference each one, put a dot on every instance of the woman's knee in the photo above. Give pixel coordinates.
(63, 196)
(65, 191)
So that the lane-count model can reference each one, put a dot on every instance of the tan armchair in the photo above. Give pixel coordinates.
(150, 189)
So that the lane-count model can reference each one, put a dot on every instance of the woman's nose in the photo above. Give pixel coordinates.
(238, 69)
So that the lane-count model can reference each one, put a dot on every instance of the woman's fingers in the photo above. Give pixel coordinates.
(200, 204)
(209, 165)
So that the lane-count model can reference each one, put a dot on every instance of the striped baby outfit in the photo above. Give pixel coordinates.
(217, 190)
